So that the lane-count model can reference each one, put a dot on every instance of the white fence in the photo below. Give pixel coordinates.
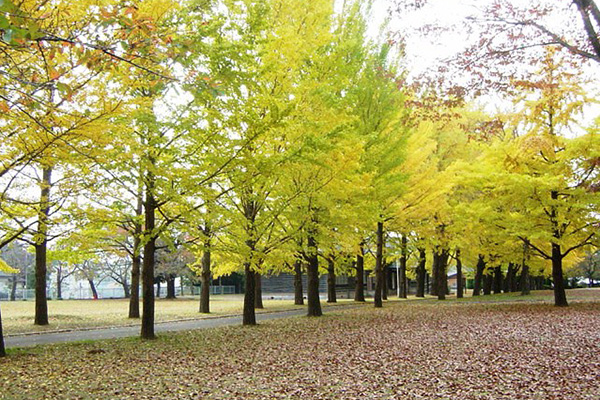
(103, 293)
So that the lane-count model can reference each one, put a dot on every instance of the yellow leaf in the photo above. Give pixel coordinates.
(4, 267)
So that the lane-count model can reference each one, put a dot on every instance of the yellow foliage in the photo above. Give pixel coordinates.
(4, 267)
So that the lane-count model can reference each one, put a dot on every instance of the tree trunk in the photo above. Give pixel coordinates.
(442, 277)
(507, 283)
(126, 291)
(2, 348)
(258, 300)
(13, 288)
(386, 277)
(158, 286)
(251, 210)
(525, 284)
(136, 261)
(498, 279)
(249, 317)
(514, 283)
(488, 283)
(359, 288)
(93, 289)
(41, 302)
(421, 273)
(331, 295)
(459, 276)
(205, 277)
(478, 281)
(147, 331)
(171, 287)
(298, 294)
(560, 297)
(312, 273)
(59, 283)
(379, 267)
(433, 289)
(402, 286)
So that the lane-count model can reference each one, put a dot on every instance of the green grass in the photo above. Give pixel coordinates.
(467, 350)
(17, 316)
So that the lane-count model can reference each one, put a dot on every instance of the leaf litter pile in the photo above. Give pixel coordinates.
(403, 351)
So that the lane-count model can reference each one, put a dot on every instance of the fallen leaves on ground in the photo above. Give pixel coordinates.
(404, 351)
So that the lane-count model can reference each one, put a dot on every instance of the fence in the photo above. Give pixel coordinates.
(104, 293)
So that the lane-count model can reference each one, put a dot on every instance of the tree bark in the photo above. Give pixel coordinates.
(93, 289)
(298, 294)
(514, 283)
(205, 277)
(251, 210)
(525, 284)
(59, 283)
(13, 288)
(386, 277)
(442, 277)
(359, 288)
(258, 300)
(560, 296)
(402, 286)
(2, 348)
(136, 261)
(459, 276)
(249, 316)
(147, 331)
(488, 283)
(171, 287)
(378, 302)
(421, 273)
(126, 291)
(41, 302)
(331, 295)
(433, 288)
(478, 281)
(498, 279)
(312, 273)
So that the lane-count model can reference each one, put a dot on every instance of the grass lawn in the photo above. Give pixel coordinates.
(17, 316)
(408, 350)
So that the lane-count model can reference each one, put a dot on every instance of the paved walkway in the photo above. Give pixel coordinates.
(128, 331)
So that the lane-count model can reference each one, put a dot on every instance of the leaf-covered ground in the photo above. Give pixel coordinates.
(424, 350)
